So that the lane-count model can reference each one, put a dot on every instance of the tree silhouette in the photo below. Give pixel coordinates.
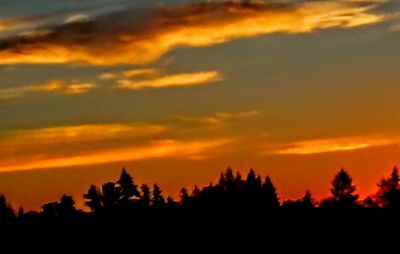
(145, 196)
(64, 209)
(388, 195)
(121, 200)
(20, 213)
(195, 191)
(308, 201)
(171, 203)
(343, 192)
(343, 188)
(94, 198)
(270, 195)
(127, 188)
(50, 210)
(370, 203)
(158, 200)
(111, 195)
(184, 196)
(67, 206)
(7, 213)
(238, 179)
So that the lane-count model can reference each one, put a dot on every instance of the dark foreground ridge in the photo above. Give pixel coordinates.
(233, 202)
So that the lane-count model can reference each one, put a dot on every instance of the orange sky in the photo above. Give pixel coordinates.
(177, 92)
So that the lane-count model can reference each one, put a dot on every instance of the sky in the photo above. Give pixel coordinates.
(177, 91)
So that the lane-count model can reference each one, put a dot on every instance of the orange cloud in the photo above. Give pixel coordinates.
(94, 144)
(138, 37)
(108, 76)
(83, 132)
(139, 72)
(129, 74)
(161, 149)
(56, 86)
(333, 145)
(29, 22)
(184, 79)
(217, 118)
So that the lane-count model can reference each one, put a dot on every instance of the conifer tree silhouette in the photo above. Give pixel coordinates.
(111, 195)
(7, 213)
(93, 197)
(184, 196)
(128, 189)
(343, 193)
(270, 195)
(64, 209)
(158, 200)
(308, 201)
(388, 195)
(343, 188)
(231, 193)
(145, 196)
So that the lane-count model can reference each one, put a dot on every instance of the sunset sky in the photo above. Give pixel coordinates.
(177, 91)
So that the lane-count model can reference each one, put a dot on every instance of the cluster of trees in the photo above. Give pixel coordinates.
(124, 198)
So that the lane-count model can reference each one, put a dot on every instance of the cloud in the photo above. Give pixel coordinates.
(217, 118)
(139, 73)
(138, 36)
(11, 24)
(333, 145)
(56, 86)
(95, 144)
(84, 132)
(75, 18)
(108, 76)
(134, 73)
(177, 80)
(161, 149)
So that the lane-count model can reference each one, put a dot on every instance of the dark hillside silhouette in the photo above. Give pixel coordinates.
(124, 201)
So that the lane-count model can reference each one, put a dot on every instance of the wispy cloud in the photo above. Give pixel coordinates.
(134, 73)
(141, 36)
(139, 73)
(176, 80)
(24, 22)
(333, 145)
(217, 118)
(108, 76)
(75, 18)
(95, 144)
(88, 132)
(161, 149)
(56, 86)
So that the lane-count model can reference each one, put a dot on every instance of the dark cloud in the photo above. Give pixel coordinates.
(142, 35)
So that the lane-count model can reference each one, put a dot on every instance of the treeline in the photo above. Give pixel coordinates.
(233, 192)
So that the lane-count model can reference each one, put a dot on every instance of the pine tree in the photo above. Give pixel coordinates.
(388, 195)
(111, 195)
(184, 196)
(93, 197)
(66, 206)
(195, 191)
(127, 187)
(308, 201)
(158, 200)
(20, 213)
(343, 189)
(270, 195)
(145, 196)
(7, 213)
(171, 202)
